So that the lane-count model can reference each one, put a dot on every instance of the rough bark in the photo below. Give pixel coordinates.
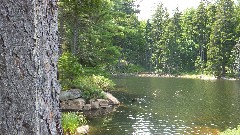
(29, 91)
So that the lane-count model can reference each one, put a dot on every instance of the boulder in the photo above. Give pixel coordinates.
(94, 104)
(103, 102)
(87, 107)
(70, 100)
(75, 104)
(83, 130)
(99, 112)
(112, 99)
(70, 94)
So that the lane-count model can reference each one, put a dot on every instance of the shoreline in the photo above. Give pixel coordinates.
(194, 76)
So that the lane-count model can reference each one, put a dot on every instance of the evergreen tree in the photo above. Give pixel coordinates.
(200, 36)
(222, 39)
(188, 48)
(160, 20)
(172, 58)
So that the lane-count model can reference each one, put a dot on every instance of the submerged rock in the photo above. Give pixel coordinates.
(99, 112)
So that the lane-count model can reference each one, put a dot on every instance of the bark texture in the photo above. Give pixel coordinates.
(29, 90)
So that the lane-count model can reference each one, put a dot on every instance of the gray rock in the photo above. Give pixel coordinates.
(76, 104)
(94, 104)
(87, 107)
(70, 94)
(112, 99)
(82, 130)
(103, 102)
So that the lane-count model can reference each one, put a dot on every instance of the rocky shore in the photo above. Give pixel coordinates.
(71, 100)
(202, 76)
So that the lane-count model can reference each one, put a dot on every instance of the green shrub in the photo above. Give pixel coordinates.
(71, 121)
(95, 70)
(235, 131)
(93, 86)
(69, 70)
(124, 66)
(132, 68)
(102, 82)
(72, 75)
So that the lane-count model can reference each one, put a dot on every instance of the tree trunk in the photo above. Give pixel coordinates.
(61, 31)
(29, 90)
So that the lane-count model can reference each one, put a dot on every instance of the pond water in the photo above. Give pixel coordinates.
(171, 106)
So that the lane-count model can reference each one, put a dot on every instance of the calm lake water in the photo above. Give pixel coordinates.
(171, 106)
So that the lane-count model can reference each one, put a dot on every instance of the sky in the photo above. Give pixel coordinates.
(147, 6)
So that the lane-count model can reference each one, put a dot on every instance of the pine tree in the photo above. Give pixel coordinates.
(159, 22)
(222, 39)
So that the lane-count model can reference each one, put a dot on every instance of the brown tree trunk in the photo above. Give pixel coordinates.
(29, 90)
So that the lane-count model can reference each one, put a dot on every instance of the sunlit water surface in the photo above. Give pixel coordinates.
(171, 106)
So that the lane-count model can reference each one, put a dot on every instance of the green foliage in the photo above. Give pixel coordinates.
(69, 70)
(199, 39)
(124, 66)
(95, 70)
(235, 131)
(222, 39)
(103, 33)
(93, 86)
(132, 68)
(71, 121)
(102, 82)
(72, 76)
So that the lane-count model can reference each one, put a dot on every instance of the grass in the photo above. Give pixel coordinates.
(235, 131)
(71, 121)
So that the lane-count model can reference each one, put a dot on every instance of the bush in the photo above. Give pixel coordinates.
(69, 70)
(102, 82)
(95, 70)
(235, 131)
(124, 66)
(132, 68)
(93, 86)
(71, 121)
(72, 75)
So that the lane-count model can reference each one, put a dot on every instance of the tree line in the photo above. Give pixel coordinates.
(195, 40)
(107, 35)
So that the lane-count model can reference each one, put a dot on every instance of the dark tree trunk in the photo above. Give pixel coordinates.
(29, 91)
(61, 31)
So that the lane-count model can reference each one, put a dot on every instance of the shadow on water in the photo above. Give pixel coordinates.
(171, 106)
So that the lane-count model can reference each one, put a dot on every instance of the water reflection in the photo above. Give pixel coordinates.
(171, 106)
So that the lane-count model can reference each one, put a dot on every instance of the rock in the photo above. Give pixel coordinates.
(76, 104)
(94, 104)
(106, 106)
(82, 130)
(99, 112)
(70, 100)
(87, 107)
(70, 94)
(103, 102)
(112, 99)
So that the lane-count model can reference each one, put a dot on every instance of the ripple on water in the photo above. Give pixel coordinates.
(156, 111)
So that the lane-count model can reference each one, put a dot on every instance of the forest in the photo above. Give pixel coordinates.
(105, 36)
(99, 39)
